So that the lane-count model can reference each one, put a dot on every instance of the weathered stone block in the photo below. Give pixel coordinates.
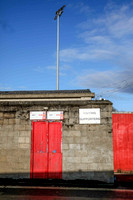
(25, 133)
(106, 121)
(82, 167)
(17, 127)
(9, 115)
(3, 159)
(71, 121)
(80, 153)
(12, 160)
(1, 121)
(21, 140)
(67, 153)
(83, 147)
(4, 139)
(76, 127)
(28, 140)
(69, 167)
(84, 140)
(7, 132)
(1, 114)
(92, 167)
(12, 121)
(84, 160)
(106, 114)
(84, 127)
(67, 134)
(75, 133)
(74, 159)
(77, 140)
(84, 133)
(21, 127)
(74, 146)
(24, 146)
(94, 127)
(9, 127)
(6, 121)
(67, 140)
(65, 146)
(28, 127)
(11, 145)
(23, 122)
(17, 121)
(66, 115)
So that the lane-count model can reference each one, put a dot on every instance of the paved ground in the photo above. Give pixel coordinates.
(63, 193)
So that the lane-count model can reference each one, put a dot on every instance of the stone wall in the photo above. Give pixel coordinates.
(87, 149)
(15, 144)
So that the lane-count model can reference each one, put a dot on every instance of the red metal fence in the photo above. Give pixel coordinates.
(123, 142)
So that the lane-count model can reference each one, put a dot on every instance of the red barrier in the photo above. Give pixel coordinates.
(123, 142)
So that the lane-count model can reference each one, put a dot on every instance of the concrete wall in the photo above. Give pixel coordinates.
(87, 149)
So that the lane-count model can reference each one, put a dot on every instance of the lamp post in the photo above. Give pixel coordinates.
(58, 14)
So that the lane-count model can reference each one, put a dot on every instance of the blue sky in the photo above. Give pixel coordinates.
(96, 47)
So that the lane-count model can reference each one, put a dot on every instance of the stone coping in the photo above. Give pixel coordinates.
(63, 103)
(46, 94)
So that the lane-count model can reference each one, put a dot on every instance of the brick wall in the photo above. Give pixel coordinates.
(87, 149)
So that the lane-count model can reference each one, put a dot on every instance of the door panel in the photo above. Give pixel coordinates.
(40, 165)
(40, 137)
(40, 150)
(55, 137)
(55, 166)
(54, 150)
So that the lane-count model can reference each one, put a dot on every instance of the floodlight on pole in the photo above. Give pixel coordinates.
(58, 14)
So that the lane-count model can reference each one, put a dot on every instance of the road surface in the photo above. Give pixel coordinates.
(62, 193)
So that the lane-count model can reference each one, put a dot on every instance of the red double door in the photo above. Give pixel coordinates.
(46, 156)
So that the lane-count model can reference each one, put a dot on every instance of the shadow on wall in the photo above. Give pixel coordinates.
(92, 176)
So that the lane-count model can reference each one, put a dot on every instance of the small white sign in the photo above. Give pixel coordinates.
(38, 115)
(55, 115)
(89, 116)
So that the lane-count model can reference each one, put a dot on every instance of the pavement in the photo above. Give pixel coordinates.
(63, 193)
(34, 189)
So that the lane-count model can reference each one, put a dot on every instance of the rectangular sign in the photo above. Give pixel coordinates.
(89, 116)
(37, 115)
(55, 115)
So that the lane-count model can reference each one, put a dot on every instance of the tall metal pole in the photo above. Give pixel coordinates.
(58, 14)
(58, 52)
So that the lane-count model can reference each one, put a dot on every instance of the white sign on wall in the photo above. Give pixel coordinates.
(89, 116)
(37, 115)
(55, 115)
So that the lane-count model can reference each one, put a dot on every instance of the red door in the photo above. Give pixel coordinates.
(54, 149)
(46, 156)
